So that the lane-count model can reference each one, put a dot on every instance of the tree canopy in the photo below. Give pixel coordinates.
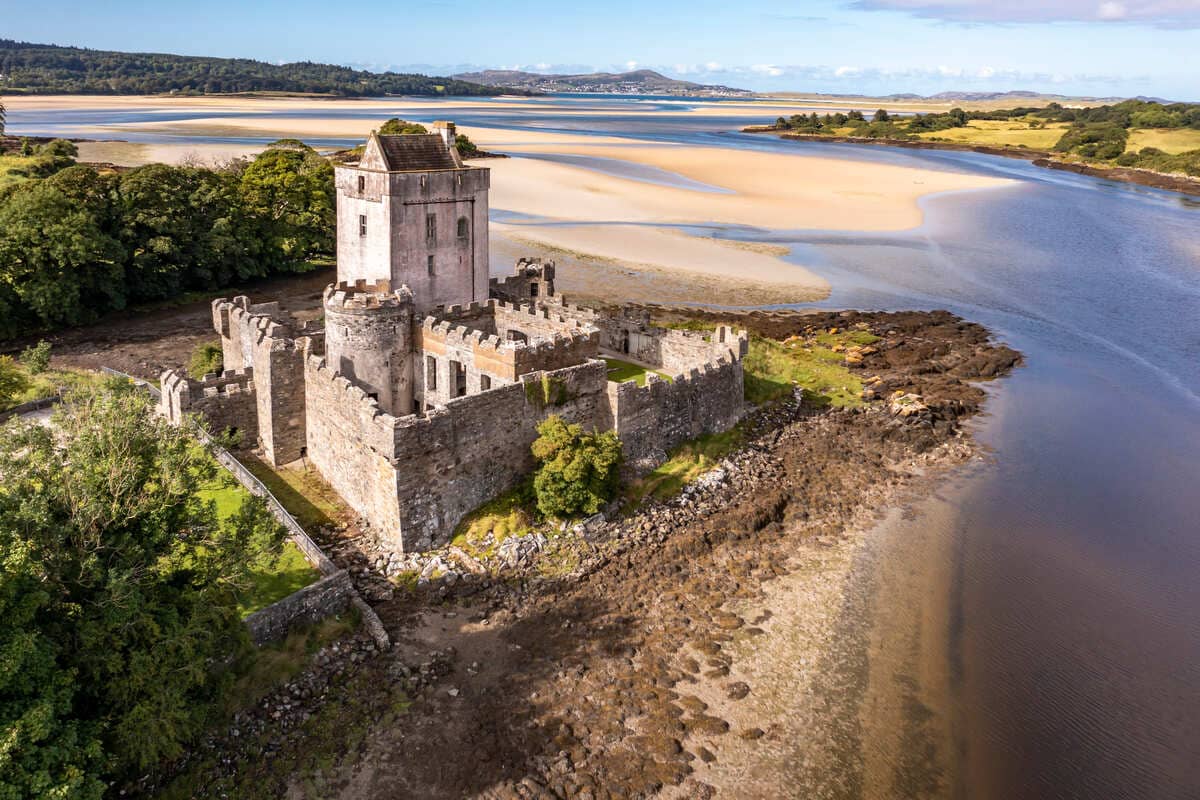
(50, 69)
(578, 472)
(119, 593)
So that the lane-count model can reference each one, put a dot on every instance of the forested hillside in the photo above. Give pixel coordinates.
(50, 69)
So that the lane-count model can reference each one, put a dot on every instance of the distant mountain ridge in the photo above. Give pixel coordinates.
(1016, 94)
(53, 69)
(642, 81)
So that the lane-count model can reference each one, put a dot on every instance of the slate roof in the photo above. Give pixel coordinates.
(416, 152)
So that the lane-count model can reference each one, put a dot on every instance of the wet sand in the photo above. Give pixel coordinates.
(610, 225)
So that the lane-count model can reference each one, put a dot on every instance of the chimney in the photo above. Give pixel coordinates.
(446, 129)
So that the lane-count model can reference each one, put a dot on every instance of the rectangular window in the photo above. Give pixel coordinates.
(458, 379)
(362, 224)
(362, 183)
(431, 229)
(533, 290)
(430, 374)
(485, 383)
(429, 265)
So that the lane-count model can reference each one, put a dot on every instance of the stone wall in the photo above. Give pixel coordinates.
(331, 595)
(532, 281)
(705, 398)
(226, 402)
(263, 337)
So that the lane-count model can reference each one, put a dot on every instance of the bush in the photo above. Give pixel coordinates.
(396, 125)
(206, 358)
(12, 379)
(37, 358)
(577, 472)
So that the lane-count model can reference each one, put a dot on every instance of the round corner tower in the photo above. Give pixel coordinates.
(368, 339)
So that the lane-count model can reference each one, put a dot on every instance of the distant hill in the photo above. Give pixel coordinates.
(1018, 94)
(51, 69)
(642, 81)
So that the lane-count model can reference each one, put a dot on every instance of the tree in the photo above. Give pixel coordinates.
(120, 590)
(12, 379)
(881, 116)
(466, 148)
(290, 195)
(3, 115)
(395, 125)
(577, 472)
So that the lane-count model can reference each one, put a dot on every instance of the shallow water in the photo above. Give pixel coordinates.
(1033, 631)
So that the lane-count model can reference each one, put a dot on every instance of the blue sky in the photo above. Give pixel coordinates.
(1089, 47)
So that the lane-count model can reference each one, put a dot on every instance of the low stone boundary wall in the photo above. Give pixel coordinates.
(28, 408)
(328, 596)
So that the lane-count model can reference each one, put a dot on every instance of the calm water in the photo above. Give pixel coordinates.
(1069, 641)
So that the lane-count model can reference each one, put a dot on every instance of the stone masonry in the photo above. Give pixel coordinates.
(419, 396)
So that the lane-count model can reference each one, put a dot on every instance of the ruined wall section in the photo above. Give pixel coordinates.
(261, 337)
(532, 281)
(474, 448)
(226, 401)
(704, 398)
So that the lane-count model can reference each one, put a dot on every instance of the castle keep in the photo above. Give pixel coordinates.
(419, 396)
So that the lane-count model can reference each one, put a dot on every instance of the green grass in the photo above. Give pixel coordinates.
(620, 371)
(302, 491)
(48, 383)
(815, 363)
(510, 514)
(686, 463)
(289, 571)
(1169, 140)
(999, 133)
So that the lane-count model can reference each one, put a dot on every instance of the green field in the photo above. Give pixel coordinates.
(620, 371)
(301, 490)
(815, 363)
(290, 570)
(1169, 140)
(50, 382)
(999, 133)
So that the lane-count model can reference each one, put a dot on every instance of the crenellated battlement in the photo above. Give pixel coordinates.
(362, 296)
(532, 279)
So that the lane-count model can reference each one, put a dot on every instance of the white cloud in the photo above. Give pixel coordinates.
(767, 69)
(631, 65)
(985, 72)
(1173, 13)
(846, 72)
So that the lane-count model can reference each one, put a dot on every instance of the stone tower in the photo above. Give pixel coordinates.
(368, 339)
(411, 214)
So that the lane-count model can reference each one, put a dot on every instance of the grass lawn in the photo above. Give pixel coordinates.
(620, 371)
(1169, 140)
(998, 133)
(290, 570)
(815, 362)
(48, 383)
(302, 491)
(686, 463)
(510, 514)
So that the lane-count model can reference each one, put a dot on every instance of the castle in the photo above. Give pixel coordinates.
(418, 397)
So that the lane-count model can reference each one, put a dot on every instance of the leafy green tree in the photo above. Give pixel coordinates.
(395, 125)
(12, 379)
(577, 472)
(881, 116)
(290, 195)
(206, 358)
(126, 593)
(37, 358)
(466, 148)
(58, 261)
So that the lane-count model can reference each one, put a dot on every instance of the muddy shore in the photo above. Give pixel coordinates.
(614, 669)
(1039, 158)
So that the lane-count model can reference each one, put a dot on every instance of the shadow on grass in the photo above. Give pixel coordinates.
(293, 488)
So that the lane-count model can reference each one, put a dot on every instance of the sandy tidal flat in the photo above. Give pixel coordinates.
(602, 222)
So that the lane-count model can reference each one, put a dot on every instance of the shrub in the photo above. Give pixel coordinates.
(206, 358)
(577, 472)
(37, 358)
(12, 379)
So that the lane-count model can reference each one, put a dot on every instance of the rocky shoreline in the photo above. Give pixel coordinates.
(1039, 158)
(578, 669)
